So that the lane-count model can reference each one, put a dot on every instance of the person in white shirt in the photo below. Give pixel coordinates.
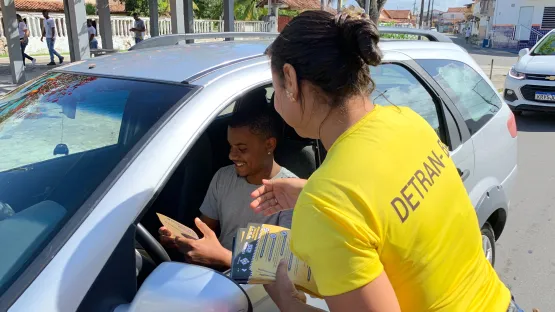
(24, 38)
(139, 28)
(49, 31)
(93, 43)
(468, 33)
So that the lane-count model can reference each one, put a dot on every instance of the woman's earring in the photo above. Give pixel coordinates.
(290, 96)
(269, 153)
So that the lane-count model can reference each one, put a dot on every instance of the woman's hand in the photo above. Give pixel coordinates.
(206, 251)
(276, 195)
(283, 292)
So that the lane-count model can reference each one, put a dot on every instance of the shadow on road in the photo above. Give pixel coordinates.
(536, 122)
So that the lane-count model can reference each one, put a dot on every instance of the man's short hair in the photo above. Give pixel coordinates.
(258, 116)
(135, 14)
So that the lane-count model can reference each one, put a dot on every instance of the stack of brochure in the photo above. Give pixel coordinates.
(257, 251)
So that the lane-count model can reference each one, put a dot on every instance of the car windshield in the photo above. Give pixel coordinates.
(60, 137)
(546, 46)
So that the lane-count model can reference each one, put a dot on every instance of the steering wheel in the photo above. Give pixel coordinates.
(151, 245)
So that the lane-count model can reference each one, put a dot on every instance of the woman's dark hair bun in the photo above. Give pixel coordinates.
(361, 34)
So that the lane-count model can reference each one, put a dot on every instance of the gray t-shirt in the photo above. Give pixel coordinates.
(139, 24)
(228, 200)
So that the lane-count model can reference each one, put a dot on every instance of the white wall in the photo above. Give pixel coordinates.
(506, 13)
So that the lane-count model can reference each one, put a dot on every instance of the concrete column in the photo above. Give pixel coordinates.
(177, 16)
(229, 17)
(188, 18)
(12, 38)
(78, 37)
(104, 24)
(367, 6)
(153, 10)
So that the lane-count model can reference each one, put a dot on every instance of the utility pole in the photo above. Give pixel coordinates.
(339, 5)
(432, 23)
(421, 14)
(323, 4)
(428, 15)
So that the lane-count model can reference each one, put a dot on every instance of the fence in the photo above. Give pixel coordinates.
(121, 36)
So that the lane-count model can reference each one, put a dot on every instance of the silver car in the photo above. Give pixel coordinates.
(90, 151)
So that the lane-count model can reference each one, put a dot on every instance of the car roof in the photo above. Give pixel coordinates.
(185, 63)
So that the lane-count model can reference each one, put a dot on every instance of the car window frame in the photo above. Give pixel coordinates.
(43, 258)
(464, 128)
(459, 133)
(447, 123)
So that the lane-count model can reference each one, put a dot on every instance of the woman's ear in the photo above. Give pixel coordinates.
(271, 144)
(290, 82)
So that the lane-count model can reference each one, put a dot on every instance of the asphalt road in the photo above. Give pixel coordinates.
(526, 249)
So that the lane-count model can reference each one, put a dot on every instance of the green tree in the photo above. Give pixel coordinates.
(90, 9)
(141, 7)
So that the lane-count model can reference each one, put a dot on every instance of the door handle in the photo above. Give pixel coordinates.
(464, 174)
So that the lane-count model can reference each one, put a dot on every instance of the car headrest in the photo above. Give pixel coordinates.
(254, 97)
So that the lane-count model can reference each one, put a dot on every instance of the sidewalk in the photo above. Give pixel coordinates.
(31, 71)
(502, 60)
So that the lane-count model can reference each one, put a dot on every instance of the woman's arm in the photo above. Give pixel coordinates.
(376, 296)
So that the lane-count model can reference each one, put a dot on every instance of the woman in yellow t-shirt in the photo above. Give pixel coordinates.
(385, 223)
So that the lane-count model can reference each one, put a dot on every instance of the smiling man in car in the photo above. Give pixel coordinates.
(252, 134)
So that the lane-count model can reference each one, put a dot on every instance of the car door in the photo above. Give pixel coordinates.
(405, 83)
(486, 119)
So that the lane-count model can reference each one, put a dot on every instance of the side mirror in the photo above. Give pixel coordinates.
(523, 52)
(174, 287)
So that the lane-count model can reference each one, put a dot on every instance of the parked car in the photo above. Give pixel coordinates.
(530, 84)
(90, 151)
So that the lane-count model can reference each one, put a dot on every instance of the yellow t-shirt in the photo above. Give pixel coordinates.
(388, 197)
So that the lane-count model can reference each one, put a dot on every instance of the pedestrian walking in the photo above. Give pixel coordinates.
(467, 34)
(91, 29)
(349, 225)
(139, 28)
(49, 31)
(24, 38)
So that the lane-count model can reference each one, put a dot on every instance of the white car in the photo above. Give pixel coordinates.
(91, 151)
(530, 84)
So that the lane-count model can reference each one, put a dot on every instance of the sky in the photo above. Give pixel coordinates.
(409, 4)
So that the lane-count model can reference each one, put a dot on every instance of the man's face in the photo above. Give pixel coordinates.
(135, 17)
(249, 152)
(45, 14)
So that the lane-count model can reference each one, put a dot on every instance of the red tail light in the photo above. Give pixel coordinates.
(511, 125)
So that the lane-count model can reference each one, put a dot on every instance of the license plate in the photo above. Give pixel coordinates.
(545, 96)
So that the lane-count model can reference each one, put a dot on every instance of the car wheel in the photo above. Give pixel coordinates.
(517, 112)
(488, 242)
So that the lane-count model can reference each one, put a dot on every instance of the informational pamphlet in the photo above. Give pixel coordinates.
(176, 228)
(257, 251)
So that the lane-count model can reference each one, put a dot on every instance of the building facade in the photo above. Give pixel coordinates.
(524, 22)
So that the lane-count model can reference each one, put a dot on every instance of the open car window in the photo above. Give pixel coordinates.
(60, 137)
